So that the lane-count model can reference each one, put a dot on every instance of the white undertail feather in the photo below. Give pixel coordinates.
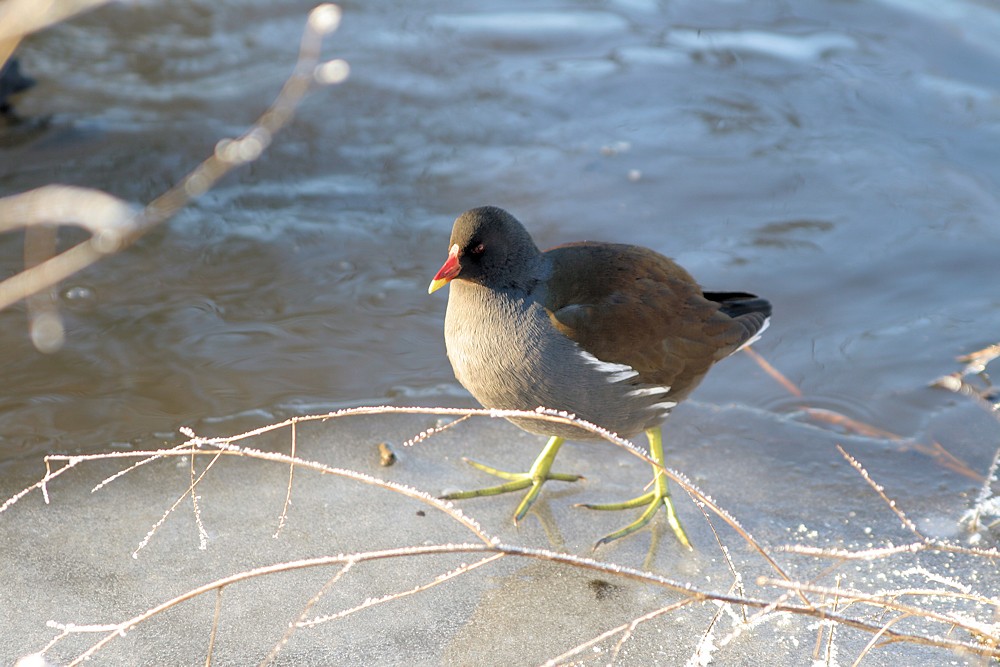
(753, 339)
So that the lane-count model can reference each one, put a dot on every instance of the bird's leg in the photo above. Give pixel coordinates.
(534, 478)
(659, 495)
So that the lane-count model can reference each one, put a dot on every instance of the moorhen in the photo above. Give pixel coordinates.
(615, 334)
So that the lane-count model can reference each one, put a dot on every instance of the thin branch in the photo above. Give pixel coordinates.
(215, 626)
(281, 643)
(610, 569)
(876, 637)
(624, 629)
(909, 525)
(291, 476)
(391, 597)
(777, 375)
(162, 520)
(888, 601)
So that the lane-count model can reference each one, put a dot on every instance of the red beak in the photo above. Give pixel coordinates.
(448, 271)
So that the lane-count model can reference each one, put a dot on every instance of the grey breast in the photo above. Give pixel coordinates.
(505, 351)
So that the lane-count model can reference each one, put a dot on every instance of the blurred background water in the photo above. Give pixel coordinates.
(839, 158)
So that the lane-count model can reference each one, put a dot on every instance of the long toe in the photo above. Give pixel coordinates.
(641, 522)
(533, 480)
(641, 501)
(514, 485)
(652, 502)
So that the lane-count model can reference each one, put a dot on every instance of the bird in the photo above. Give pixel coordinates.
(615, 334)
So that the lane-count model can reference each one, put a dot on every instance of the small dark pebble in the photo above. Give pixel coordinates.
(421, 513)
(386, 457)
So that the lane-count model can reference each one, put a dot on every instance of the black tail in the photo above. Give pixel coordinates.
(735, 304)
(750, 312)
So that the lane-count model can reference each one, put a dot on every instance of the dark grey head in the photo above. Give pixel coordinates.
(490, 247)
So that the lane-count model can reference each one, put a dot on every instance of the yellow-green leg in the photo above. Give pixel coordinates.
(534, 478)
(652, 501)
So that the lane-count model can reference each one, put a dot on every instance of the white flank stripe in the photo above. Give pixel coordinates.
(615, 372)
(665, 405)
(648, 391)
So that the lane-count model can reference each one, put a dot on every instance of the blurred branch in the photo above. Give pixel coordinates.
(112, 224)
(975, 365)
(19, 18)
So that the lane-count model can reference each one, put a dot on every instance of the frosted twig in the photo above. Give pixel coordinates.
(155, 457)
(291, 476)
(874, 640)
(887, 600)
(371, 602)
(706, 646)
(281, 643)
(191, 489)
(42, 484)
(543, 414)
(691, 594)
(423, 435)
(235, 450)
(202, 533)
(625, 630)
(737, 577)
(909, 525)
(830, 648)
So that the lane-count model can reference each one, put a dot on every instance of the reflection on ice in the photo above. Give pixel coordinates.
(790, 47)
(524, 24)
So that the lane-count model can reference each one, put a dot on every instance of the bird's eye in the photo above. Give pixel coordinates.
(479, 249)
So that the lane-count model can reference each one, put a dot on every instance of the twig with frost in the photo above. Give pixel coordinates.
(444, 426)
(707, 646)
(371, 602)
(211, 446)
(889, 600)
(195, 507)
(987, 504)
(291, 476)
(880, 490)
(192, 487)
(625, 630)
(690, 593)
(235, 450)
(281, 643)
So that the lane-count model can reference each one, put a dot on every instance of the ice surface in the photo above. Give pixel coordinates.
(357, 596)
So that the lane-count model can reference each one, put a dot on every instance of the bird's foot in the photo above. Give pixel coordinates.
(531, 480)
(652, 501)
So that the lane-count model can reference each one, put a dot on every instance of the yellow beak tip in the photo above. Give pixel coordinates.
(436, 285)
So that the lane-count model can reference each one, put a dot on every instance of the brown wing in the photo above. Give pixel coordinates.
(630, 305)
